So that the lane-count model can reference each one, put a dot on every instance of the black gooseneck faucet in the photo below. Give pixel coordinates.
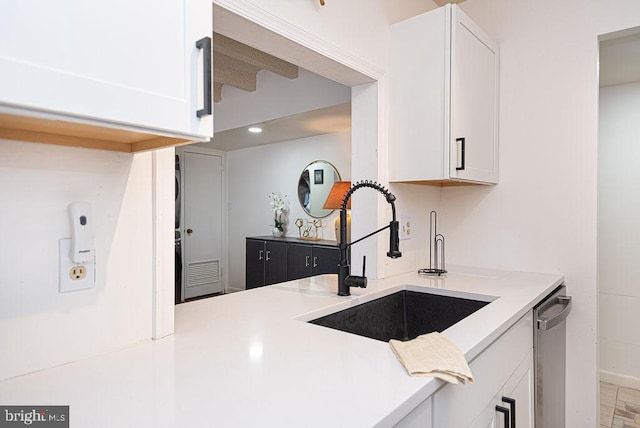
(345, 279)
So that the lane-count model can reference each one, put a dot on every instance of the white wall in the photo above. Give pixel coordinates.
(255, 172)
(619, 229)
(398, 10)
(305, 93)
(542, 215)
(415, 201)
(40, 327)
(355, 28)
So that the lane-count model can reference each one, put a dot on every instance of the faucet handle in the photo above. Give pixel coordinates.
(358, 281)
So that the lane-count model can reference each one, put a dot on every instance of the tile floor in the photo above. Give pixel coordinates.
(619, 406)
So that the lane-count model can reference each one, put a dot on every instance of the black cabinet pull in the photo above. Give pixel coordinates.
(205, 44)
(512, 407)
(306, 261)
(505, 413)
(462, 155)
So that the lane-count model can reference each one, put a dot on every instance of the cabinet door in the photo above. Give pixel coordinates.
(492, 370)
(420, 417)
(125, 62)
(255, 263)
(325, 260)
(489, 417)
(419, 98)
(474, 102)
(520, 388)
(275, 262)
(300, 259)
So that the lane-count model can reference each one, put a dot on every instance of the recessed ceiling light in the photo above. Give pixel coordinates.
(255, 130)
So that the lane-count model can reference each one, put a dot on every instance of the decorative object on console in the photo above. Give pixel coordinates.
(310, 231)
(334, 202)
(436, 249)
(280, 207)
(314, 185)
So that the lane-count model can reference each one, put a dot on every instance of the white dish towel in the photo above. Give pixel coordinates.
(433, 355)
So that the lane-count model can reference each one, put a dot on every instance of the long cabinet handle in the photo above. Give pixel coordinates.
(306, 261)
(268, 252)
(315, 262)
(512, 409)
(462, 154)
(505, 413)
(260, 253)
(205, 45)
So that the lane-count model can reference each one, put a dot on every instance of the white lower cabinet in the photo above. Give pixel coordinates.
(503, 371)
(420, 417)
(518, 412)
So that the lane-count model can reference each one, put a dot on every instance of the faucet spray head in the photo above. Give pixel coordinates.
(394, 240)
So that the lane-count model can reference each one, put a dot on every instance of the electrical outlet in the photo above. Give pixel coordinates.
(405, 228)
(74, 276)
(78, 272)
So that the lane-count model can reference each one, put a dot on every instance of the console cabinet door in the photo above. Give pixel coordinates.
(255, 263)
(300, 261)
(129, 63)
(325, 260)
(275, 262)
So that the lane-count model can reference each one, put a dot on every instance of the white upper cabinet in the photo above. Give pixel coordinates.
(443, 100)
(121, 64)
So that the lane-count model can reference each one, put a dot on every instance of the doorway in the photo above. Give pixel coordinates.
(618, 227)
(289, 42)
(199, 223)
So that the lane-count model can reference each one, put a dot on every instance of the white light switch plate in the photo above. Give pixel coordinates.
(74, 276)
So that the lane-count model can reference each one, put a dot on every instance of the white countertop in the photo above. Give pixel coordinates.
(248, 359)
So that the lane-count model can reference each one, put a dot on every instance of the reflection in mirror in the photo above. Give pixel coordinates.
(314, 186)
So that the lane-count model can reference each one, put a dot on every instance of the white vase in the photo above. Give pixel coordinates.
(277, 233)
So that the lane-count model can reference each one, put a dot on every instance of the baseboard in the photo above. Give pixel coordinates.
(620, 379)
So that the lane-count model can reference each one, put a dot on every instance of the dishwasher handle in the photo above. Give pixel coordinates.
(549, 323)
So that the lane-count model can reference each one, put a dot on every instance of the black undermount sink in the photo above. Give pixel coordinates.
(403, 315)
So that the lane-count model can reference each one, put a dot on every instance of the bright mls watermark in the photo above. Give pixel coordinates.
(35, 416)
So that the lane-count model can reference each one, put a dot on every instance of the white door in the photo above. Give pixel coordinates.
(202, 237)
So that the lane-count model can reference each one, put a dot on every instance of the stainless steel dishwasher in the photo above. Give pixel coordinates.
(549, 343)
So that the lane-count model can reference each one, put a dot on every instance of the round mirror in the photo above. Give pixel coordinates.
(314, 186)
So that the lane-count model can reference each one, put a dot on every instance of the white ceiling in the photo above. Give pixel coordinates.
(620, 60)
(325, 120)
